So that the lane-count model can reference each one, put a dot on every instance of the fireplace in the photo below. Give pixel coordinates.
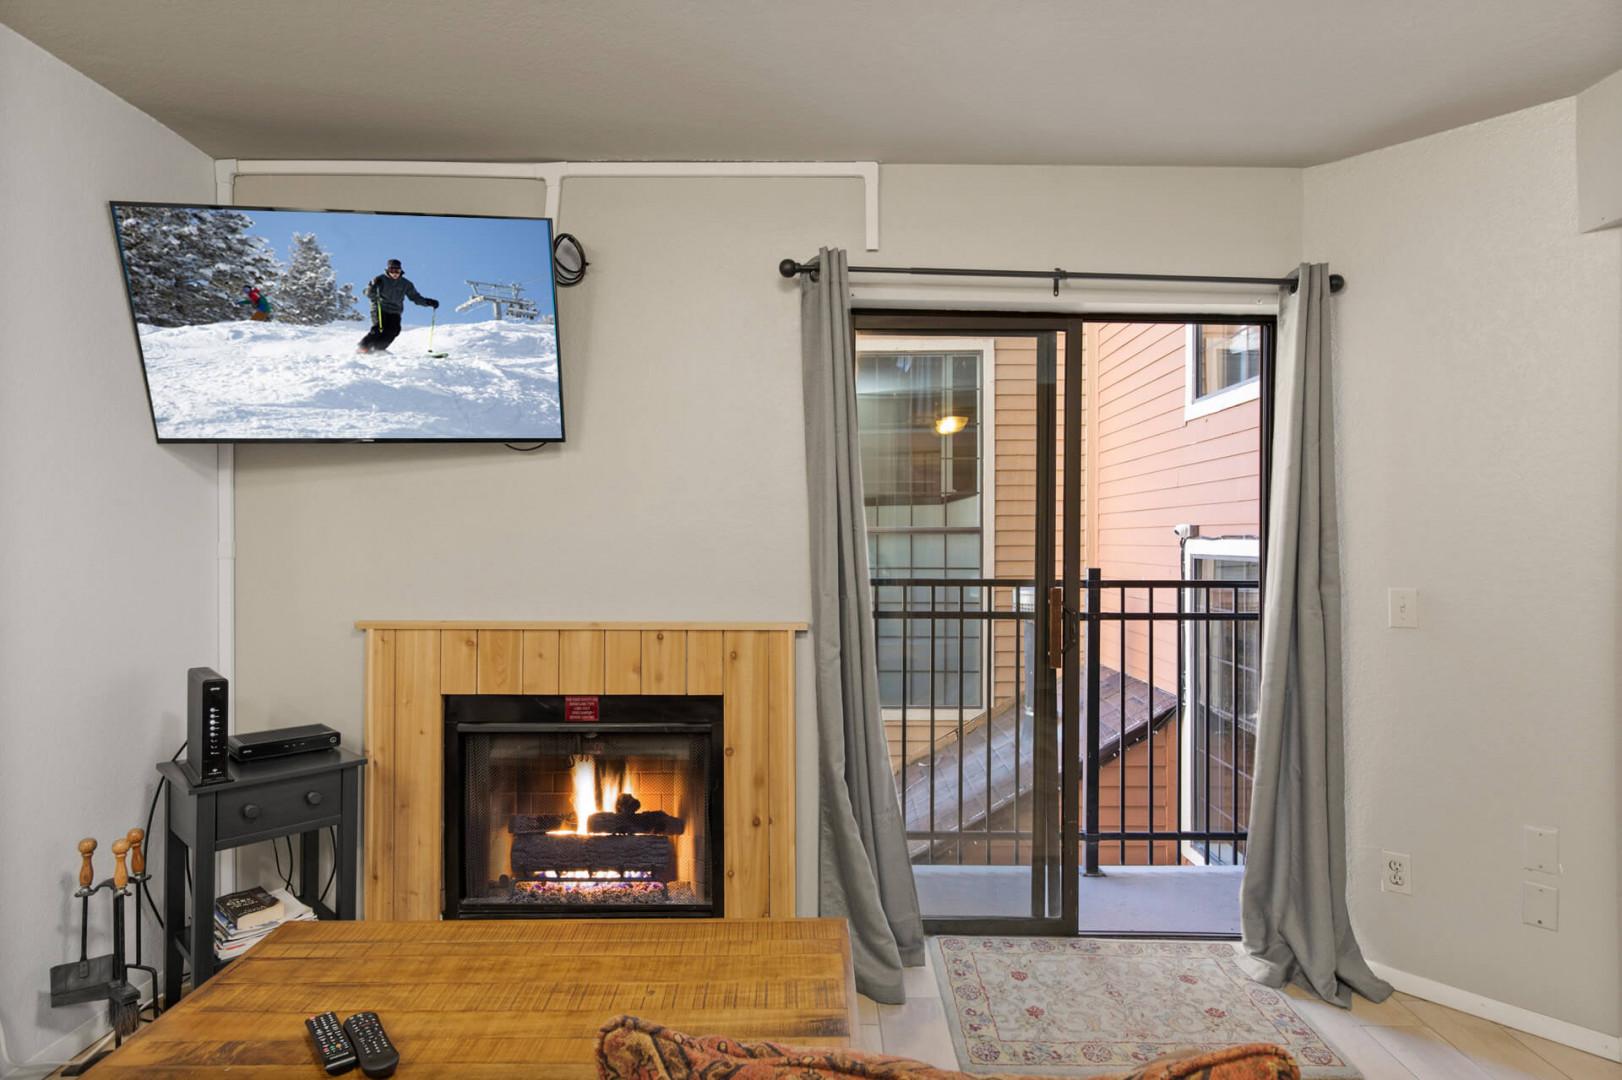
(413, 667)
(600, 805)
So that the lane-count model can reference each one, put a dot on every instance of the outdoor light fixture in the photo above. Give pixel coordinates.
(951, 425)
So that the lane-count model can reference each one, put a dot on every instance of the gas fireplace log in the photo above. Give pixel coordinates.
(535, 853)
(532, 823)
(656, 822)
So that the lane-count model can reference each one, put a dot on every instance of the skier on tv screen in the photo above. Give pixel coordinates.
(254, 299)
(388, 293)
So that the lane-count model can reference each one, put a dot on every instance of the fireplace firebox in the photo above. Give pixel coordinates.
(582, 805)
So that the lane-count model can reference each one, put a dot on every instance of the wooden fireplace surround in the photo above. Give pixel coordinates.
(410, 666)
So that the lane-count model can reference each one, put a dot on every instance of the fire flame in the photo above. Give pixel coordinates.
(583, 775)
(583, 771)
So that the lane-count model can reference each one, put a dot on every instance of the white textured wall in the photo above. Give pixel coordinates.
(1599, 154)
(1477, 352)
(681, 491)
(107, 540)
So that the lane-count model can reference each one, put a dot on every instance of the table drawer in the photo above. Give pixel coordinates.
(280, 807)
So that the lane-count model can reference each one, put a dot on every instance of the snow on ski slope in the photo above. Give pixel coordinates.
(269, 380)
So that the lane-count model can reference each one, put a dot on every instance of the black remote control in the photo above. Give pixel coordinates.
(377, 1055)
(331, 1044)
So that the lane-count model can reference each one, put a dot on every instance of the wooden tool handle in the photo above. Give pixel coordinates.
(121, 873)
(137, 856)
(87, 848)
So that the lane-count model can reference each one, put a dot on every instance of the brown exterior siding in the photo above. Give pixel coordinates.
(1014, 514)
(1137, 799)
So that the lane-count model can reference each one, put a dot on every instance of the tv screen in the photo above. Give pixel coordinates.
(263, 325)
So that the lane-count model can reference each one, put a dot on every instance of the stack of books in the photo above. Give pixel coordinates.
(242, 918)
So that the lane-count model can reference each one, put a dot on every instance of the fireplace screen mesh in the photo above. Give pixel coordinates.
(572, 821)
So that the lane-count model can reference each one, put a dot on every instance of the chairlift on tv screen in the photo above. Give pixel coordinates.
(507, 301)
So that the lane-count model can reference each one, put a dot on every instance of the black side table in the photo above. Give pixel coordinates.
(300, 794)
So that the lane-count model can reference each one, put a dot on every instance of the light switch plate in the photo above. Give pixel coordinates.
(1540, 847)
(1403, 608)
(1540, 905)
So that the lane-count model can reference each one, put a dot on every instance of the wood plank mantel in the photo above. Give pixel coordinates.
(412, 665)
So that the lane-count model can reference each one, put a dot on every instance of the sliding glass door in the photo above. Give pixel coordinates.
(1168, 607)
(1064, 532)
(958, 420)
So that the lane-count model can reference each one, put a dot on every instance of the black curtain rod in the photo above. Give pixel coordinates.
(790, 268)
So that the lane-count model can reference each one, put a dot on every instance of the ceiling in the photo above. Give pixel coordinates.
(1103, 82)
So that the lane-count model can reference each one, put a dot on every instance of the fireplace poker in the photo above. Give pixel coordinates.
(138, 876)
(87, 878)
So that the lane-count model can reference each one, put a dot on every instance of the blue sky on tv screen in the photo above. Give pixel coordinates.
(439, 253)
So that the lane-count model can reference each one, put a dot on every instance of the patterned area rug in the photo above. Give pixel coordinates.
(1080, 1006)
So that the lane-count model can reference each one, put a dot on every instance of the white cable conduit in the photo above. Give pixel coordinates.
(553, 173)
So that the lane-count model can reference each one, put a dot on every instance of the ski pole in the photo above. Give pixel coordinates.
(433, 317)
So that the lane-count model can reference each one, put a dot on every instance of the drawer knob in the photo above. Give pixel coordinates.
(250, 810)
(313, 798)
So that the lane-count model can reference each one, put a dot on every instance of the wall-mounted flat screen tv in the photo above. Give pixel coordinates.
(265, 325)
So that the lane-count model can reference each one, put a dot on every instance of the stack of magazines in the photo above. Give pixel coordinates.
(242, 918)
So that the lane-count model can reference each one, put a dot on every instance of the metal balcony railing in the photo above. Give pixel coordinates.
(956, 660)
(1206, 740)
(1167, 673)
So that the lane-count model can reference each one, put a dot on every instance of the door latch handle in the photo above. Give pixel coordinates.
(1056, 627)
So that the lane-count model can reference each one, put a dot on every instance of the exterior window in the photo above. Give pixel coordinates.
(921, 427)
(1224, 366)
(1223, 683)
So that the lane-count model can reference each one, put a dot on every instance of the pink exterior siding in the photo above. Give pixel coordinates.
(1154, 469)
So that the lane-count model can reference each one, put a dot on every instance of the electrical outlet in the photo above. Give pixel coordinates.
(1540, 906)
(1403, 608)
(1396, 873)
(1540, 849)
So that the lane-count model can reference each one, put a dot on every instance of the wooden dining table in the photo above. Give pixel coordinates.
(502, 998)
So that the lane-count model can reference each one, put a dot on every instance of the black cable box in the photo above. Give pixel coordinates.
(280, 742)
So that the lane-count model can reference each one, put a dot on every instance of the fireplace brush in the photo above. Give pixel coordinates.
(123, 1002)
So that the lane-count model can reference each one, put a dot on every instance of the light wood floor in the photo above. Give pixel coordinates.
(1403, 1038)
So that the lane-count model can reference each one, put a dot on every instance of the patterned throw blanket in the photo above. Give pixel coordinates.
(632, 1049)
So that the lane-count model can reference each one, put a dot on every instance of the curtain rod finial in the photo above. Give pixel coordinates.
(788, 268)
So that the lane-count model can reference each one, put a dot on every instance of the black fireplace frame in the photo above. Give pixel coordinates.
(525, 714)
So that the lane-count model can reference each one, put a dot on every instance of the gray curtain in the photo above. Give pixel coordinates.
(1293, 900)
(865, 874)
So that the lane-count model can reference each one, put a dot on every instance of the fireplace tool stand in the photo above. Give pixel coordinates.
(106, 977)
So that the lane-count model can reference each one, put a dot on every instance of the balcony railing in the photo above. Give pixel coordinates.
(955, 674)
(1165, 705)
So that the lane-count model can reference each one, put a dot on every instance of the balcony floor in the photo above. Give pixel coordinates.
(1126, 900)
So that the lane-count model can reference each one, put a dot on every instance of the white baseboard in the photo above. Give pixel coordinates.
(69, 1046)
(1500, 1012)
(94, 1029)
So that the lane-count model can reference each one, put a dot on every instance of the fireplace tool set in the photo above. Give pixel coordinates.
(106, 977)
